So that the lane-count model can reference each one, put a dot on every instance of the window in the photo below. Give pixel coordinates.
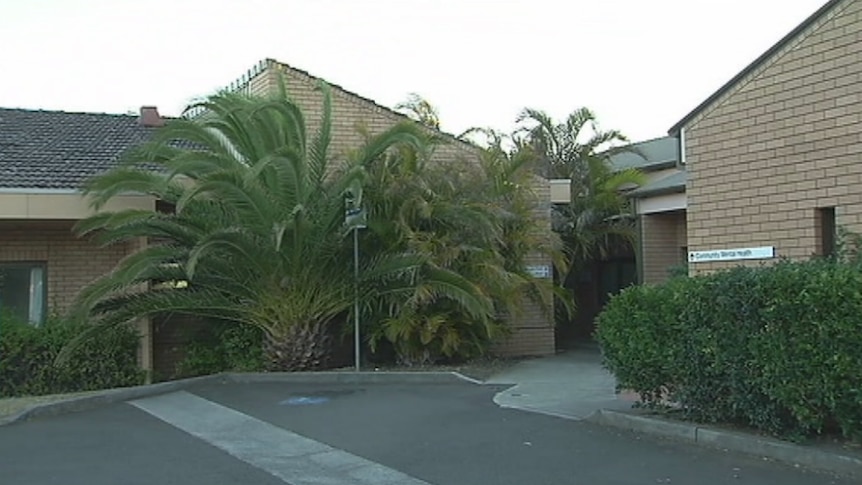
(163, 207)
(826, 231)
(22, 291)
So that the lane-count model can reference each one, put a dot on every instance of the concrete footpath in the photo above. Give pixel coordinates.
(572, 384)
(575, 385)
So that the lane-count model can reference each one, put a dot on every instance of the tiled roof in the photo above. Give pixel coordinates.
(59, 150)
(648, 155)
(672, 184)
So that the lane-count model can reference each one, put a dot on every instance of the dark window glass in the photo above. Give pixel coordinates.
(22, 291)
(827, 231)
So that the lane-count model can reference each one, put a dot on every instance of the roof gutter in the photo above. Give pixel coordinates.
(43, 191)
(654, 167)
(681, 156)
(680, 189)
(38, 191)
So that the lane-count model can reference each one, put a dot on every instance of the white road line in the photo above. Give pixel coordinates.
(293, 458)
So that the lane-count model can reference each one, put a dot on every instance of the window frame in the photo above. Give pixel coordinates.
(826, 222)
(31, 264)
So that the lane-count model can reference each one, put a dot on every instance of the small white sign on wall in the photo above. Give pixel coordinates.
(541, 271)
(763, 252)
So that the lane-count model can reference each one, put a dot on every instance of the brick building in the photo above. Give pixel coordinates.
(45, 156)
(771, 163)
(658, 161)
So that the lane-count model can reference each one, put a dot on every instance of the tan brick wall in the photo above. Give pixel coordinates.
(72, 263)
(533, 330)
(350, 112)
(527, 341)
(786, 141)
(663, 235)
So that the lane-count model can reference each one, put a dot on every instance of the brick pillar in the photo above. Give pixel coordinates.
(533, 329)
(144, 327)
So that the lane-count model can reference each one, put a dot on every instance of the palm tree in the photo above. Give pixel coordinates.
(598, 217)
(258, 234)
(471, 225)
(419, 208)
(562, 147)
(509, 171)
(420, 110)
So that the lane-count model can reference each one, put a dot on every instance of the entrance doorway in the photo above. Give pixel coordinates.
(591, 289)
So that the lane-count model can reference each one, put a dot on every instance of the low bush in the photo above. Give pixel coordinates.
(630, 330)
(228, 347)
(27, 354)
(775, 348)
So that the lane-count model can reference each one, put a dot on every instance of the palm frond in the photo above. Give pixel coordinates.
(234, 240)
(319, 151)
(123, 181)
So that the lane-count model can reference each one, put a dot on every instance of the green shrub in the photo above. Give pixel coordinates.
(229, 348)
(775, 348)
(717, 368)
(27, 356)
(633, 352)
(809, 345)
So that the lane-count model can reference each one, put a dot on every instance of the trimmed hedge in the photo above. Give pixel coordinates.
(777, 348)
(27, 356)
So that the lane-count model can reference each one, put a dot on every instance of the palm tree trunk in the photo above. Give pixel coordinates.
(301, 348)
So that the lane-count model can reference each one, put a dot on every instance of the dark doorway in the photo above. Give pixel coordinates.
(591, 289)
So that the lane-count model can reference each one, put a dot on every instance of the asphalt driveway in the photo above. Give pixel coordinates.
(275, 433)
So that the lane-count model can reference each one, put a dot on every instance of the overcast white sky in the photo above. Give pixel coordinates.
(641, 65)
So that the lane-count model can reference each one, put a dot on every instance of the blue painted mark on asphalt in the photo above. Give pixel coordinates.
(304, 400)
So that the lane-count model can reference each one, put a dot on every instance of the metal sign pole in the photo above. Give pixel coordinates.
(356, 339)
(355, 217)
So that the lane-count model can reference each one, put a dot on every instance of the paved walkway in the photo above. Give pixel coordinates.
(574, 385)
(571, 384)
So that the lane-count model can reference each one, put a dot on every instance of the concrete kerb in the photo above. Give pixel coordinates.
(351, 377)
(534, 410)
(110, 396)
(102, 398)
(774, 449)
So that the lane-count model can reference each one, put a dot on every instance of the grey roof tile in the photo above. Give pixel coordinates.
(673, 183)
(648, 155)
(60, 150)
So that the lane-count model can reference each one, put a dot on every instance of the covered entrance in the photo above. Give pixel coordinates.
(591, 288)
